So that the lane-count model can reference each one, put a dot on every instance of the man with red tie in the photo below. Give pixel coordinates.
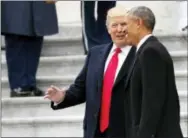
(101, 83)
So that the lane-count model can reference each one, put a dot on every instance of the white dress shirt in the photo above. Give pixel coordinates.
(142, 41)
(121, 58)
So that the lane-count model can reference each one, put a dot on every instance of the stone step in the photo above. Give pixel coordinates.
(43, 82)
(37, 106)
(59, 126)
(66, 42)
(69, 41)
(64, 80)
(56, 66)
(60, 47)
(174, 42)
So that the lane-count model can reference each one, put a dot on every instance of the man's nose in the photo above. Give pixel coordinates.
(119, 28)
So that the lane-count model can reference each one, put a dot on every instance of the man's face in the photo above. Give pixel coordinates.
(132, 30)
(116, 29)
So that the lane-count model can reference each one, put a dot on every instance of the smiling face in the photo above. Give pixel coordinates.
(116, 26)
(116, 29)
(140, 21)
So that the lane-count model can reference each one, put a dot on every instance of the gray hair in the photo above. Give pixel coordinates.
(145, 14)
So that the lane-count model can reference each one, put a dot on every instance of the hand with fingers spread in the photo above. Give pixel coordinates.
(55, 94)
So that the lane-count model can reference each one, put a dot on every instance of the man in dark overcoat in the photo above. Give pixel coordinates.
(24, 24)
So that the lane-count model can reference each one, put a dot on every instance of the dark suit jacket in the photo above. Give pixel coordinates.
(152, 94)
(88, 87)
(30, 18)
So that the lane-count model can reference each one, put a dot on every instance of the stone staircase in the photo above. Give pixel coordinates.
(61, 60)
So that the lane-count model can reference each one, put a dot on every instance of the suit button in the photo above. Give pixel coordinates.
(152, 136)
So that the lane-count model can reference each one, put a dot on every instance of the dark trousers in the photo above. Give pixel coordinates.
(94, 29)
(22, 55)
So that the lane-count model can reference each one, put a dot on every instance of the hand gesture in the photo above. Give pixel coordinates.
(55, 94)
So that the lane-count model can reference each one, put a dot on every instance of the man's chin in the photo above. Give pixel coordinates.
(121, 44)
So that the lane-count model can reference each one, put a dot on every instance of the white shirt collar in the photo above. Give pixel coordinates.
(142, 41)
(123, 49)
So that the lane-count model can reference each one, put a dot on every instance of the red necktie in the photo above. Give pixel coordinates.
(108, 82)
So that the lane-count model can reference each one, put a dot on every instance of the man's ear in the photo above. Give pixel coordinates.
(139, 22)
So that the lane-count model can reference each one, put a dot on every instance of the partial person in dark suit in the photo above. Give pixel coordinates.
(93, 15)
(101, 83)
(152, 97)
(24, 23)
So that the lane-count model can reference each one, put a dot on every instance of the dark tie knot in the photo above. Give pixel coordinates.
(118, 50)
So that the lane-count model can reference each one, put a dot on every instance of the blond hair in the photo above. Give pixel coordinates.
(115, 12)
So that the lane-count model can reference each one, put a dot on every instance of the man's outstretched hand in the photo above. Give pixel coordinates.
(55, 94)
